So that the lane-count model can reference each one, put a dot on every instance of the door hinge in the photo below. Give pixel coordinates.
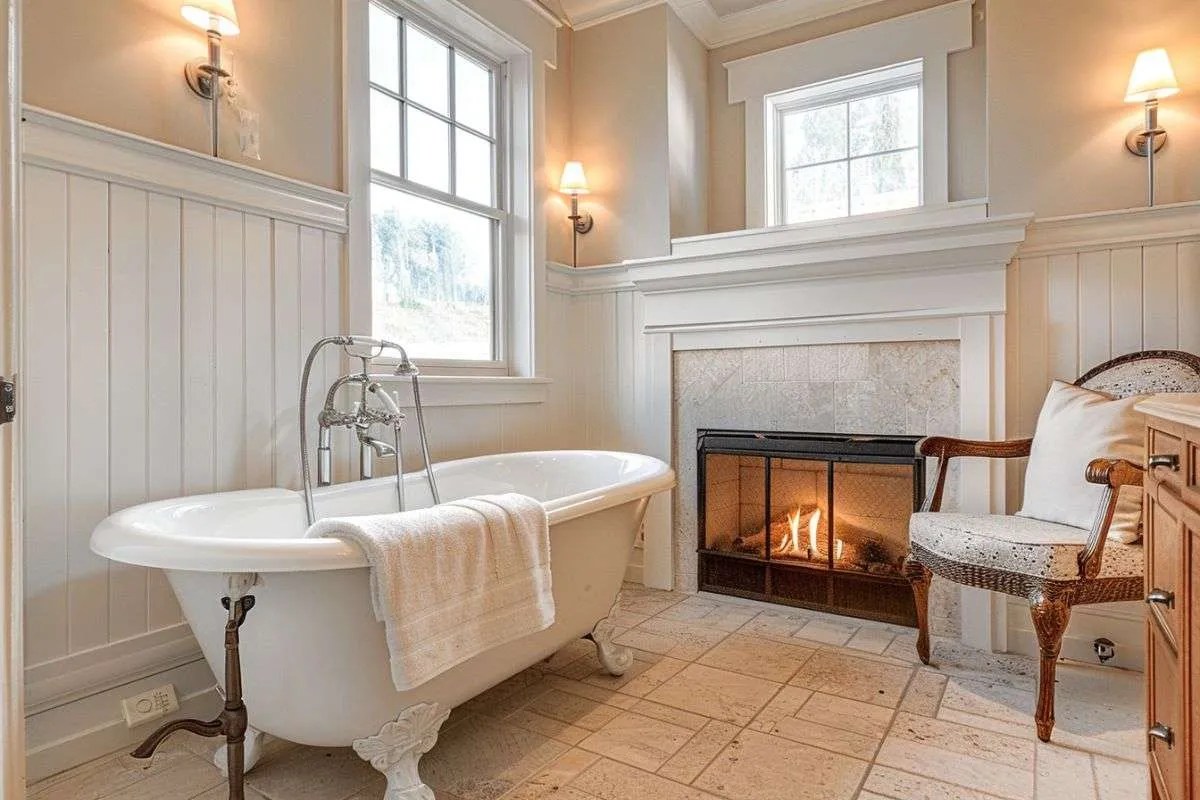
(8, 401)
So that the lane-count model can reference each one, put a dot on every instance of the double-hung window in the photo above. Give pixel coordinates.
(845, 147)
(437, 190)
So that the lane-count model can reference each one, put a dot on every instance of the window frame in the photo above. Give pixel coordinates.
(838, 91)
(502, 216)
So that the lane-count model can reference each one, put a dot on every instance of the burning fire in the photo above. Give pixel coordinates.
(791, 543)
(790, 546)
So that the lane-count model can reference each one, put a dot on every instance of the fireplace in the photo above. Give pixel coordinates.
(808, 519)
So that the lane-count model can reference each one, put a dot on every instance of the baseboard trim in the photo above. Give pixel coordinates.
(1125, 628)
(80, 675)
(78, 732)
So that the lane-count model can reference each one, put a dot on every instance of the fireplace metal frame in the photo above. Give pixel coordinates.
(893, 592)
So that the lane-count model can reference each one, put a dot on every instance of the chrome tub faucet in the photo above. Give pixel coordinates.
(362, 417)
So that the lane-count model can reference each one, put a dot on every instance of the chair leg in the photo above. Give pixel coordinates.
(1050, 617)
(919, 576)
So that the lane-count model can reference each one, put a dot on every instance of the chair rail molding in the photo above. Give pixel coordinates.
(57, 141)
(1106, 230)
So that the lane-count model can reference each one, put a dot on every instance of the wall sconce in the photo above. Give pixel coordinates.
(1151, 80)
(574, 183)
(218, 18)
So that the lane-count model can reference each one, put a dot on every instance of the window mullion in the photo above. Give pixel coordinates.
(847, 158)
(402, 29)
(452, 131)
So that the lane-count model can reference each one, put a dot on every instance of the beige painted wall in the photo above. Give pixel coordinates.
(687, 127)
(619, 127)
(120, 63)
(968, 124)
(1056, 82)
(559, 149)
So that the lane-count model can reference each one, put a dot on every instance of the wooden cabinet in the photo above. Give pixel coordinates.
(1172, 518)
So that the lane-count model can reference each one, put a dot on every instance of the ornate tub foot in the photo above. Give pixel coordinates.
(613, 657)
(397, 749)
(251, 753)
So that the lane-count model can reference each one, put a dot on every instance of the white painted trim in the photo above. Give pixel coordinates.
(1124, 624)
(99, 729)
(74, 677)
(567, 280)
(60, 142)
(1103, 230)
(590, 20)
(544, 13)
(12, 705)
(924, 243)
(929, 35)
(520, 271)
(473, 390)
(715, 30)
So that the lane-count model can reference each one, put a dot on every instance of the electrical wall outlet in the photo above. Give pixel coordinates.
(150, 705)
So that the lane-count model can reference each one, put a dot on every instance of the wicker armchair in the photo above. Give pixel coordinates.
(1054, 567)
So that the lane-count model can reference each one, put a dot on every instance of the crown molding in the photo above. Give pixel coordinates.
(715, 30)
(544, 13)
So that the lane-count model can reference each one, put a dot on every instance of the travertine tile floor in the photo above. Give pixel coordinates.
(727, 699)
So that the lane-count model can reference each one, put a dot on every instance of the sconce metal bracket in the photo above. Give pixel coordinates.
(1135, 140)
(583, 222)
(198, 73)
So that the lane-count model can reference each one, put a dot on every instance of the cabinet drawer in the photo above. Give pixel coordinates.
(1166, 715)
(1165, 562)
(1165, 444)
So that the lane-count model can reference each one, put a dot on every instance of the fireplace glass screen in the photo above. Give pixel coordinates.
(815, 520)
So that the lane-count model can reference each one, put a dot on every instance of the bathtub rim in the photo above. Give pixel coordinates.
(128, 536)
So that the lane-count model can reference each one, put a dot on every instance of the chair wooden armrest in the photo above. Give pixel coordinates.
(945, 448)
(1112, 474)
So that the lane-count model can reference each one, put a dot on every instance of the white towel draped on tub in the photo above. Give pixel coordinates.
(452, 581)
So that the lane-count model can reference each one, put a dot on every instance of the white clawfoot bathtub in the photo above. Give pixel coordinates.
(314, 659)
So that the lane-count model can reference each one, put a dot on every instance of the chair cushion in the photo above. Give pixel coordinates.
(1018, 544)
(1076, 425)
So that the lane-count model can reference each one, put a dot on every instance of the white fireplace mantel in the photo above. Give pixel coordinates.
(945, 261)
(922, 274)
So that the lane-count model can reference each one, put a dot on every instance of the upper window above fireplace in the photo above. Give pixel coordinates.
(851, 123)
(845, 147)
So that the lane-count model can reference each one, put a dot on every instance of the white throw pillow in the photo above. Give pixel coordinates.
(1075, 426)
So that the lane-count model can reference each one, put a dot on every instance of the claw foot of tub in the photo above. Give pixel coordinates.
(251, 752)
(397, 749)
(613, 657)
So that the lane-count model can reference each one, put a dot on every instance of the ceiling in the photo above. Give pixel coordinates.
(726, 7)
(715, 22)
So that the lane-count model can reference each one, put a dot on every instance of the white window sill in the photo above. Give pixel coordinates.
(472, 390)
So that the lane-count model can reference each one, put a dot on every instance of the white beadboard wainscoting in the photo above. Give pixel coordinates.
(168, 301)
(1084, 289)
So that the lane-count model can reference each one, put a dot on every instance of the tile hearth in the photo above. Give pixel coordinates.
(726, 699)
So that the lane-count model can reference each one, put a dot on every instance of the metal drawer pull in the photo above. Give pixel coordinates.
(1162, 733)
(1169, 460)
(1162, 597)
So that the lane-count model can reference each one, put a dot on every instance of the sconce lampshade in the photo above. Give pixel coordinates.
(1152, 77)
(573, 180)
(212, 15)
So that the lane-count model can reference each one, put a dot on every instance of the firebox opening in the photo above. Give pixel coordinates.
(809, 519)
